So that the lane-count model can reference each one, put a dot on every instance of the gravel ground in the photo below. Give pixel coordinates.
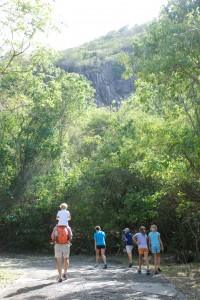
(38, 280)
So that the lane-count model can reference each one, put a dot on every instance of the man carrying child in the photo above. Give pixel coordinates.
(61, 237)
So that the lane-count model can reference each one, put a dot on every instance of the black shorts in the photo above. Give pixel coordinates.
(101, 247)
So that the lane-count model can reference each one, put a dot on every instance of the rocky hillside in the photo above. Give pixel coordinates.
(99, 62)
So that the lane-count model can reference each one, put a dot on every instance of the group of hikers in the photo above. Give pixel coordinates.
(62, 235)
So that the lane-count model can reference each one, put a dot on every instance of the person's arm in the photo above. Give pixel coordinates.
(149, 242)
(161, 244)
(124, 237)
(53, 234)
(57, 217)
(135, 240)
(69, 218)
(95, 244)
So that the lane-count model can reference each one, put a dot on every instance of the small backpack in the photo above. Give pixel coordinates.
(62, 235)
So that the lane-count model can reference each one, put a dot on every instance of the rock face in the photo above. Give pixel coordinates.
(109, 85)
(100, 61)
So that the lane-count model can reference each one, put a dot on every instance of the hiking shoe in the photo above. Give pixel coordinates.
(65, 276)
(159, 270)
(156, 273)
(105, 266)
(96, 266)
(139, 271)
(60, 280)
(130, 265)
(148, 272)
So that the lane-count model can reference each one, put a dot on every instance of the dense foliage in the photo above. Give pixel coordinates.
(117, 167)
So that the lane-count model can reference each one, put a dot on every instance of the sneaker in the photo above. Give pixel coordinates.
(159, 270)
(156, 272)
(96, 266)
(130, 265)
(105, 266)
(60, 280)
(139, 271)
(65, 276)
(148, 272)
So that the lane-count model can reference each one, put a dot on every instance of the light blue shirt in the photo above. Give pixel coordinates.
(154, 238)
(100, 236)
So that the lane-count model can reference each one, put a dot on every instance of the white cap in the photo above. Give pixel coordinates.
(126, 230)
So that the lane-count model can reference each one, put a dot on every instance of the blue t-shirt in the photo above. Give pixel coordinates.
(154, 237)
(128, 237)
(100, 236)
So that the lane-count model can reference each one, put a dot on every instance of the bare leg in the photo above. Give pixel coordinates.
(103, 255)
(66, 264)
(155, 261)
(140, 261)
(97, 256)
(146, 259)
(59, 266)
(130, 258)
(158, 260)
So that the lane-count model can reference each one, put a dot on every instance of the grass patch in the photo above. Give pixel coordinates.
(185, 277)
(7, 276)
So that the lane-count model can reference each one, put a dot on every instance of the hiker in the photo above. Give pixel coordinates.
(61, 235)
(155, 245)
(127, 236)
(63, 215)
(55, 230)
(100, 246)
(140, 239)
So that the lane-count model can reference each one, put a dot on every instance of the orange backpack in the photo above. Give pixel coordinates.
(62, 235)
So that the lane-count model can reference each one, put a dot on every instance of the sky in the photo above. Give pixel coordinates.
(85, 20)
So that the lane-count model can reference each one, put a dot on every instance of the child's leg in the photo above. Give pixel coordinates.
(155, 257)
(140, 261)
(158, 260)
(97, 256)
(146, 259)
(103, 255)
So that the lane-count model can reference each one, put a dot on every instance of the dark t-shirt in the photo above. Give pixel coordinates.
(128, 236)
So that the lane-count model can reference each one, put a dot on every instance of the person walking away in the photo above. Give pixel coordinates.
(63, 215)
(140, 239)
(155, 245)
(127, 236)
(100, 246)
(61, 235)
(55, 235)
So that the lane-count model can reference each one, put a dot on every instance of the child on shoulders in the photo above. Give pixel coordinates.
(63, 215)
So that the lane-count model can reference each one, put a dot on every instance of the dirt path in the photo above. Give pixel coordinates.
(38, 281)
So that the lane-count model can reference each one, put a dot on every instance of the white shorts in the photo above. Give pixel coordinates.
(129, 249)
(62, 250)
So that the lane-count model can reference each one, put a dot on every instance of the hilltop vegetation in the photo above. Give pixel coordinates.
(99, 61)
(105, 49)
(115, 166)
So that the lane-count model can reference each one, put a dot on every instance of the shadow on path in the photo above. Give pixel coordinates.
(29, 289)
